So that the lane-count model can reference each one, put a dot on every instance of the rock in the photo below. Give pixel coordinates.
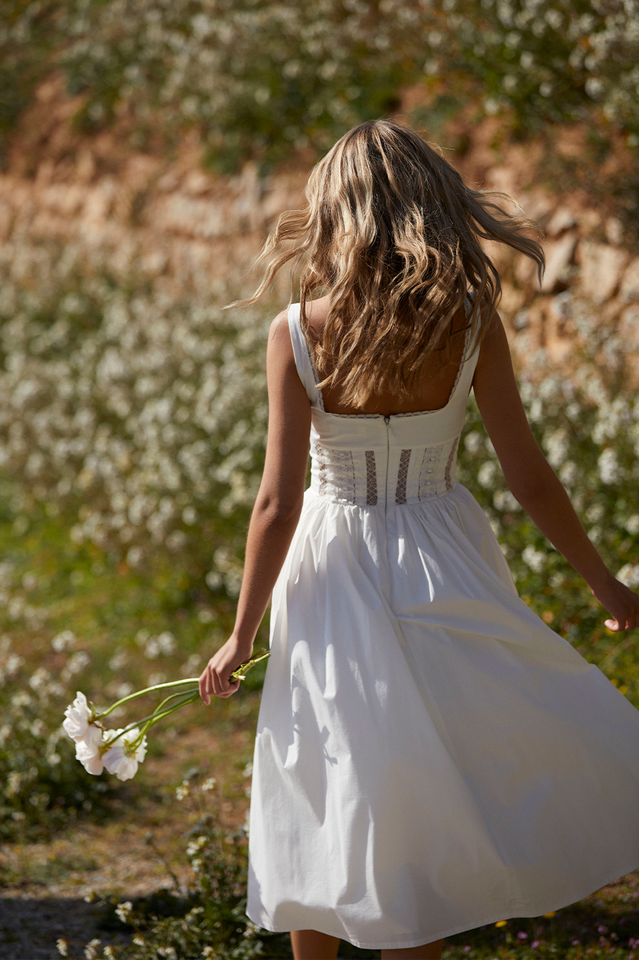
(562, 219)
(525, 271)
(559, 254)
(628, 327)
(629, 289)
(196, 182)
(601, 269)
(614, 231)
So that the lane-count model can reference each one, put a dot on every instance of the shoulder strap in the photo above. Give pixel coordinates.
(302, 354)
(470, 356)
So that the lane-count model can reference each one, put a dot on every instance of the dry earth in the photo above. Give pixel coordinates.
(49, 890)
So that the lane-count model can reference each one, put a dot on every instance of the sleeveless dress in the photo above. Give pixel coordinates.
(430, 756)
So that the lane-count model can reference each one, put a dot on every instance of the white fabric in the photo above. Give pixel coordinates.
(430, 756)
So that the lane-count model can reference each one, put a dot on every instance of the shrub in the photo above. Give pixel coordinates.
(256, 78)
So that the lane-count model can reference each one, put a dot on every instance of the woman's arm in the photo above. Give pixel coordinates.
(533, 482)
(276, 511)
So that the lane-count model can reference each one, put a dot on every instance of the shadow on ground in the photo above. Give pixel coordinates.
(30, 926)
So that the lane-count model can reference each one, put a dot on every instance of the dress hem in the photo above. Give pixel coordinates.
(474, 925)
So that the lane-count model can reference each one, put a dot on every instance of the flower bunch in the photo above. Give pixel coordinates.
(121, 751)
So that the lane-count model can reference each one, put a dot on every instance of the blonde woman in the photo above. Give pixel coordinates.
(430, 756)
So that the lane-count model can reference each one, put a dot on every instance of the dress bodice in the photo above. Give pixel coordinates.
(372, 460)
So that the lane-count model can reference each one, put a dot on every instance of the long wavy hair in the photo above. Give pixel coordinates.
(393, 234)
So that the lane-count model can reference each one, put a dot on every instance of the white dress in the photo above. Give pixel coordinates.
(430, 756)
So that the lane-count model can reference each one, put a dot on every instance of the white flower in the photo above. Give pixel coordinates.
(78, 718)
(486, 473)
(632, 523)
(123, 757)
(123, 911)
(63, 947)
(87, 751)
(91, 949)
(629, 574)
(607, 467)
(535, 559)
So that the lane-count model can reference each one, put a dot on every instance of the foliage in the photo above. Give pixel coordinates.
(30, 39)
(256, 78)
(72, 618)
(588, 427)
(205, 918)
(138, 414)
(41, 784)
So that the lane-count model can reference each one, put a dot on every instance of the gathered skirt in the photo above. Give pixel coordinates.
(430, 756)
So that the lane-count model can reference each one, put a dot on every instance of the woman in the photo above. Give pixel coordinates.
(430, 756)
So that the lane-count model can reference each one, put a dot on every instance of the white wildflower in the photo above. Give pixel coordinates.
(504, 500)
(208, 784)
(91, 949)
(62, 947)
(535, 559)
(486, 473)
(88, 752)
(608, 467)
(63, 641)
(123, 757)
(124, 910)
(556, 447)
(568, 473)
(629, 574)
(473, 441)
(78, 717)
(632, 524)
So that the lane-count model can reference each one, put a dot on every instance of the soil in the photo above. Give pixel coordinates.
(56, 889)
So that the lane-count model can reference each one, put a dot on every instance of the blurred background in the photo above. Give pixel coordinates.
(146, 149)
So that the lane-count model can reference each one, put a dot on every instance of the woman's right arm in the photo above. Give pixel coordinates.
(534, 483)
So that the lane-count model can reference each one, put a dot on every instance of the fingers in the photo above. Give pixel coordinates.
(211, 683)
(205, 686)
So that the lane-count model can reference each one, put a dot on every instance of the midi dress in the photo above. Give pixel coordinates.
(430, 756)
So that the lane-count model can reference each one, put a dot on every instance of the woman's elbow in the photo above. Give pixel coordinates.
(277, 509)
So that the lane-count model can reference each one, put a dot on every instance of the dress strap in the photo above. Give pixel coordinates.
(302, 354)
(466, 371)
(470, 355)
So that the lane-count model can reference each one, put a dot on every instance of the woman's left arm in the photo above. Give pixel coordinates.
(276, 511)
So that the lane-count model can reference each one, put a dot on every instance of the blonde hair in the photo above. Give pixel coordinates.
(393, 233)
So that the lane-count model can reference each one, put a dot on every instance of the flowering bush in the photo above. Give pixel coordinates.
(41, 784)
(138, 414)
(588, 427)
(206, 918)
(256, 77)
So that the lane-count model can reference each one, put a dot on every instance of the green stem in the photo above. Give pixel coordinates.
(151, 719)
(140, 693)
(159, 716)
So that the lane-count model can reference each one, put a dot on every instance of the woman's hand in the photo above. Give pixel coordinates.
(214, 679)
(620, 601)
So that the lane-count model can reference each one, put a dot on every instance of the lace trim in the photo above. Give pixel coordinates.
(402, 476)
(371, 478)
(322, 462)
(449, 465)
(427, 472)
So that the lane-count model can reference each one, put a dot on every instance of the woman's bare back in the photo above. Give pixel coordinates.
(431, 393)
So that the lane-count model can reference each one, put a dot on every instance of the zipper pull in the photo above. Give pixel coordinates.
(386, 420)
